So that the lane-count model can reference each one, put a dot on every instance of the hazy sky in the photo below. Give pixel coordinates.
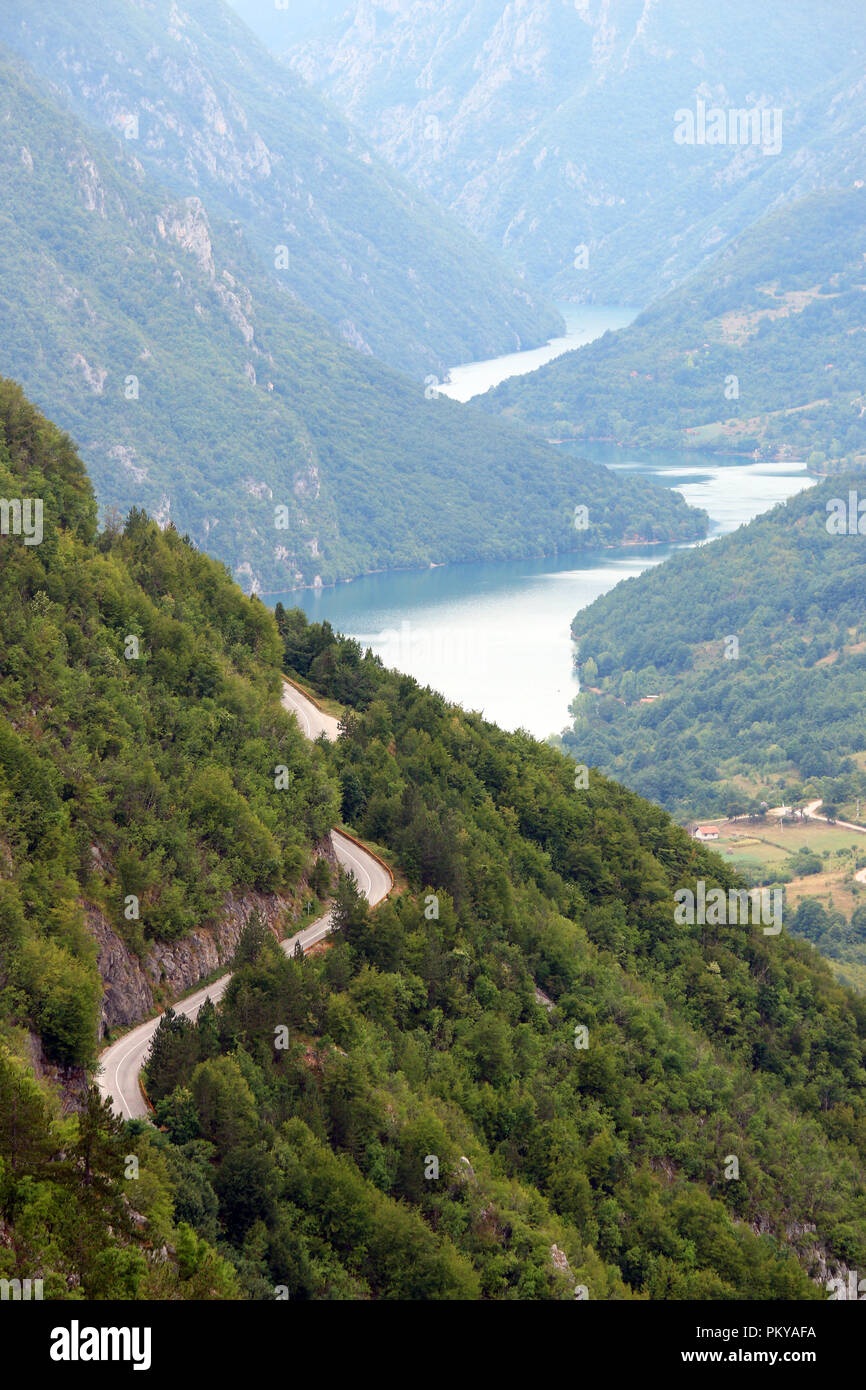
(280, 27)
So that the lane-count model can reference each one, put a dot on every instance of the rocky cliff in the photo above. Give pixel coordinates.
(548, 125)
(133, 987)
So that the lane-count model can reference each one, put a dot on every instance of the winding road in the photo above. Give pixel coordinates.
(121, 1063)
(313, 721)
(809, 812)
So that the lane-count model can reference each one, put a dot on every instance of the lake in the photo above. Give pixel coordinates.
(496, 636)
(583, 324)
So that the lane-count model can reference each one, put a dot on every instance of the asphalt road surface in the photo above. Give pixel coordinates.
(121, 1063)
(312, 720)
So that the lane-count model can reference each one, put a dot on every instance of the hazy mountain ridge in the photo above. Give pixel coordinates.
(213, 114)
(148, 329)
(762, 349)
(550, 125)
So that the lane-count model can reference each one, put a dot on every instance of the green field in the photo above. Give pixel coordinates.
(764, 847)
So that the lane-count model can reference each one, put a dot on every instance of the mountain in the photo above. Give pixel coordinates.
(516, 1079)
(140, 723)
(198, 103)
(140, 726)
(706, 725)
(537, 909)
(549, 126)
(199, 392)
(277, 24)
(763, 349)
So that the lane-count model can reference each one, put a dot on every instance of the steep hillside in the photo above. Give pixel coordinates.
(204, 108)
(538, 909)
(549, 125)
(140, 726)
(148, 330)
(518, 1079)
(765, 348)
(779, 712)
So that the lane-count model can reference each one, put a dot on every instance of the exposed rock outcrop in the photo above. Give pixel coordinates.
(132, 986)
(181, 964)
(128, 995)
(69, 1081)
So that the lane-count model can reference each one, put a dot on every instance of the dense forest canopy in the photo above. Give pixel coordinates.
(702, 1045)
(140, 725)
(737, 664)
(515, 1079)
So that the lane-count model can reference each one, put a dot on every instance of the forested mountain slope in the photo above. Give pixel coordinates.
(764, 348)
(781, 709)
(517, 1078)
(548, 125)
(704, 1044)
(147, 328)
(212, 114)
(140, 725)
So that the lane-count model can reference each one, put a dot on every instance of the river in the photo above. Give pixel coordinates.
(583, 324)
(496, 636)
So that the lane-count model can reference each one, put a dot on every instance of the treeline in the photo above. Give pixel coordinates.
(737, 664)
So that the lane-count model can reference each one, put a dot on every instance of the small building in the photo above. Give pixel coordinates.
(707, 832)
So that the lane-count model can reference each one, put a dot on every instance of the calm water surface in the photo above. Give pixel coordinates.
(583, 323)
(495, 636)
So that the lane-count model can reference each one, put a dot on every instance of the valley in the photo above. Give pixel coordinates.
(420, 1027)
(760, 352)
(207, 390)
(432, 673)
(496, 636)
(583, 324)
